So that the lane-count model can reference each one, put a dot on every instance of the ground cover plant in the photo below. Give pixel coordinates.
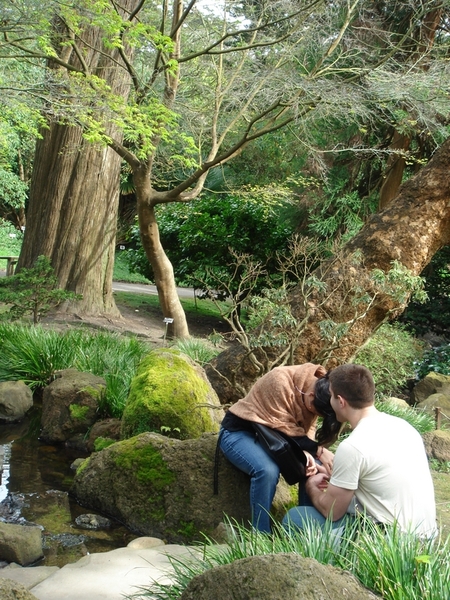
(34, 355)
(396, 565)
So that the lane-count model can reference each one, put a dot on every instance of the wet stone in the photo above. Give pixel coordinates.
(89, 521)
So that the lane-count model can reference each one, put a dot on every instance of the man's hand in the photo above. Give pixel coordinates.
(329, 499)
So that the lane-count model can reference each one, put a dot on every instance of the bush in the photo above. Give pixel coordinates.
(436, 360)
(392, 354)
(33, 291)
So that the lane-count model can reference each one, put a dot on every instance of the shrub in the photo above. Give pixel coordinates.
(33, 291)
(436, 360)
(391, 354)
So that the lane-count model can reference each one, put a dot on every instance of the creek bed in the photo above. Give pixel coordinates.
(34, 488)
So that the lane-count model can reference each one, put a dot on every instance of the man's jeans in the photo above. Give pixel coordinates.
(244, 451)
(301, 517)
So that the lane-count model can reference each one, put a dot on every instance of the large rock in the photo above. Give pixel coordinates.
(171, 393)
(275, 577)
(20, 544)
(10, 590)
(433, 383)
(103, 432)
(437, 444)
(440, 400)
(70, 404)
(16, 399)
(163, 487)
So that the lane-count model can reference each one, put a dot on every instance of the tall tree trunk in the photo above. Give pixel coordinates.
(410, 230)
(162, 267)
(72, 216)
(74, 195)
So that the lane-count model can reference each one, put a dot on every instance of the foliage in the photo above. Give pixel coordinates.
(33, 291)
(391, 354)
(18, 132)
(272, 331)
(439, 465)
(198, 236)
(122, 270)
(395, 564)
(199, 350)
(433, 315)
(34, 355)
(435, 360)
(419, 419)
(10, 239)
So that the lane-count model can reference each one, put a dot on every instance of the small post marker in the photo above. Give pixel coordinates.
(167, 321)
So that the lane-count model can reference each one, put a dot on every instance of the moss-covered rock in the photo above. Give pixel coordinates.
(70, 405)
(172, 395)
(163, 487)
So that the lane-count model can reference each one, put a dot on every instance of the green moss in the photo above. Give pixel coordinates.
(165, 394)
(83, 465)
(188, 530)
(77, 411)
(101, 443)
(146, 464)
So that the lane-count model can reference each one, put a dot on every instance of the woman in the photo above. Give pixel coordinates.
(289, 399)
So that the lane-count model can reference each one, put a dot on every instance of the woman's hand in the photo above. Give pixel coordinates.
(311, 467)
(326, 457)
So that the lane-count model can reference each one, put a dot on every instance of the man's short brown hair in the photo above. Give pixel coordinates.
(354, 383)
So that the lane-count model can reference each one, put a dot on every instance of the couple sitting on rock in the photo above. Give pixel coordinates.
(379, 470)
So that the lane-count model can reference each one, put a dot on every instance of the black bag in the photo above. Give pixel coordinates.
(285, 452)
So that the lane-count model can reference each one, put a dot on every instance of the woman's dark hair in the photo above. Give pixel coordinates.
(330, 427)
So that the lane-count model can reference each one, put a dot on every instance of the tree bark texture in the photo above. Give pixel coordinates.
(410, 230)
(72, 216)
(74, 196)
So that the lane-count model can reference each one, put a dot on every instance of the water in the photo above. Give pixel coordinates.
(35, 483)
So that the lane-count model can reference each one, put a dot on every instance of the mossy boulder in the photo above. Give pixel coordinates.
(163, 487)
(171, 394)
(70, 405)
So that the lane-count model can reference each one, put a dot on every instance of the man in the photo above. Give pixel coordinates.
(381, 469)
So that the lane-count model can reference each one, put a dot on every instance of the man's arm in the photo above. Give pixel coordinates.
(330, 500)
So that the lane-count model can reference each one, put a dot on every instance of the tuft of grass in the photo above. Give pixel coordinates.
(399, 566)
(34, 355)
(419, 419)
(199, 350)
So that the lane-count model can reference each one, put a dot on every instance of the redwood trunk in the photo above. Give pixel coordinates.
(74, 195)
(72, 216)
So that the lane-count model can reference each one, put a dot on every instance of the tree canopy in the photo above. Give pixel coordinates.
(204, 85)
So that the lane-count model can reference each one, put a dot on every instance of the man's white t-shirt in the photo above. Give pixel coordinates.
(384, 461)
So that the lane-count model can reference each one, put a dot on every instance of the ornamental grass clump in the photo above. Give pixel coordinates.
(34, 355)
(393, 564)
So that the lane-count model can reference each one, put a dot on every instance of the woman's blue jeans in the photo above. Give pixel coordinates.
(244, 451)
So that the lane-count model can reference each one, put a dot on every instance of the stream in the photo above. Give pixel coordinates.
(34, 488)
